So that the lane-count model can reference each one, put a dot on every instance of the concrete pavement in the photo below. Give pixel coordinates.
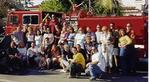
(56, 76)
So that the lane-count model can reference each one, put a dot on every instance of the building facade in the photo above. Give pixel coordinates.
(134, 7)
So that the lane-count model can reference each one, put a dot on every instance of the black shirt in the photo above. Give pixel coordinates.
(12, 51)
(67, 55)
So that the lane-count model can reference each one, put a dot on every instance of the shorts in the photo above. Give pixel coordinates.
(115, 51)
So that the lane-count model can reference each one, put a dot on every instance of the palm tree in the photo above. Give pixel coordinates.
(107, 7)
(116, 8)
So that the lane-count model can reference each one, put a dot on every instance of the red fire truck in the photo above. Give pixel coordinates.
(139, 25)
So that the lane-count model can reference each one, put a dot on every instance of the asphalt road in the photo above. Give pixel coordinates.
(56, 76)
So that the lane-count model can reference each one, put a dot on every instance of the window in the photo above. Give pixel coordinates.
(34, 19)
(30, 19)
(26, 20)
(13, 20)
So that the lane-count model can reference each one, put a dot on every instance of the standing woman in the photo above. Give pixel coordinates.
(63, 35)
(106, 47)
(48, 35)
(38, 38)
(124, 41)
(88, 47)
(30, 37)
(70, 38)
(79, 38)
(98, 34)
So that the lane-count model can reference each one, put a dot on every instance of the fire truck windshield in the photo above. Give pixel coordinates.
(30, 19)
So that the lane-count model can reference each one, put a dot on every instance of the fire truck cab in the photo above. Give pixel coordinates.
(33, 18)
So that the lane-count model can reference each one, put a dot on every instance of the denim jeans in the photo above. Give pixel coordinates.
(122, 51)
(94, 70)
(71, 44)
(123, 61)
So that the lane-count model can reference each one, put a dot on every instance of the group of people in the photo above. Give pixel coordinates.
(106, 50)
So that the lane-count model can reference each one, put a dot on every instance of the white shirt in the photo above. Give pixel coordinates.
(99, 57)
(30, 38)
(104, 38)
(32, 51)
(38, 40)
(95, 57)
(22, 51)
(98, 35)
(50, 36)
(79, 39)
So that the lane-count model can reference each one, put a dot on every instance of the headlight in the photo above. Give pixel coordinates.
(139, 46)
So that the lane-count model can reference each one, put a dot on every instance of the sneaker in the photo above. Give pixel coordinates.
(92, 79)
(71, 76)
(63, 71)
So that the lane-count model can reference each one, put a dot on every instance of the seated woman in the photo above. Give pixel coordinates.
(77, 64)
(14, 57)
(97, 66)
(42, 63)
(55, 55)
(23, 52)
(82, 51)
(66, 54)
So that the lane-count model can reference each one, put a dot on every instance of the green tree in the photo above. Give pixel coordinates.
(6, 5)
(52, 6)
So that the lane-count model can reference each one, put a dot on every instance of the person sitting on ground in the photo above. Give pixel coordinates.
(42, 63)
(22, 51)
(96, 67)
(66, 54)
(33, 57)
(82, 51)
(14, 57)
(77, 64)
(55, 55)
